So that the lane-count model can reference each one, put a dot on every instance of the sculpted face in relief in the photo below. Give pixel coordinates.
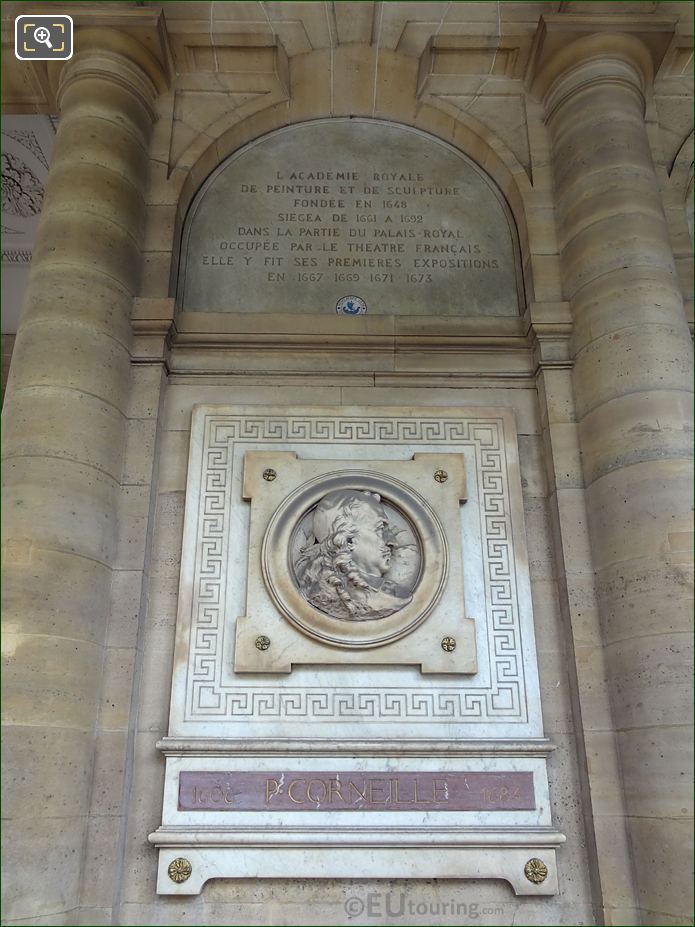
(361, 560)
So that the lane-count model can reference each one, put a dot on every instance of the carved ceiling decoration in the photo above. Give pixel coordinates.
(27, 143)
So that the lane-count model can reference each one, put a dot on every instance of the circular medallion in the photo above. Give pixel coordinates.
(355, 558)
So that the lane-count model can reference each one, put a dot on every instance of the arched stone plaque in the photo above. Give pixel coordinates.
(393, 219)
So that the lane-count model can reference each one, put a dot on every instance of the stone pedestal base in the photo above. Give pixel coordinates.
(412, 813)
(477, 860)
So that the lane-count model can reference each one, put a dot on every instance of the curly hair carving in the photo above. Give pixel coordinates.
(325, 567)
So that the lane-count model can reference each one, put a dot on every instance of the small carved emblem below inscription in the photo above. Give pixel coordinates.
(351, 305)
(354, 541)
(536, 871)
(179, 869)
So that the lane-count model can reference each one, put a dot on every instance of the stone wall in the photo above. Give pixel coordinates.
(493, 87)
(7, 348)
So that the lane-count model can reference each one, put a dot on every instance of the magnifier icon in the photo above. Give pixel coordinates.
(42, 35)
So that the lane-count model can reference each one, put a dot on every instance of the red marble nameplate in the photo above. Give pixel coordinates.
(356, 790)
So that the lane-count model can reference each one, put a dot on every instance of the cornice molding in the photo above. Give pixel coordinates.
(604, 47)
(137, 34)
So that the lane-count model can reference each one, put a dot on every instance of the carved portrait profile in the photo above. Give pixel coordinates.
(360, 561)
(353, 557)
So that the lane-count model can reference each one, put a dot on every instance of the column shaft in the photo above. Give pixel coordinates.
(64, 415)
(632, 382)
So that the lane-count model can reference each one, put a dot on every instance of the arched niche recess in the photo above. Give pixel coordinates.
(384, 215)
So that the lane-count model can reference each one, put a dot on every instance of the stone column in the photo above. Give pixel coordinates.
(64, 415)
(632, 383)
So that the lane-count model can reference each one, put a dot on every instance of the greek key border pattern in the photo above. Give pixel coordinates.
(209, 699)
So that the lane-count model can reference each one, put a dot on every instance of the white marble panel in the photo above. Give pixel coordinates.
(380, 719)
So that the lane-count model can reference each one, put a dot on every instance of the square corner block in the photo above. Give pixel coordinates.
(354, 562)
